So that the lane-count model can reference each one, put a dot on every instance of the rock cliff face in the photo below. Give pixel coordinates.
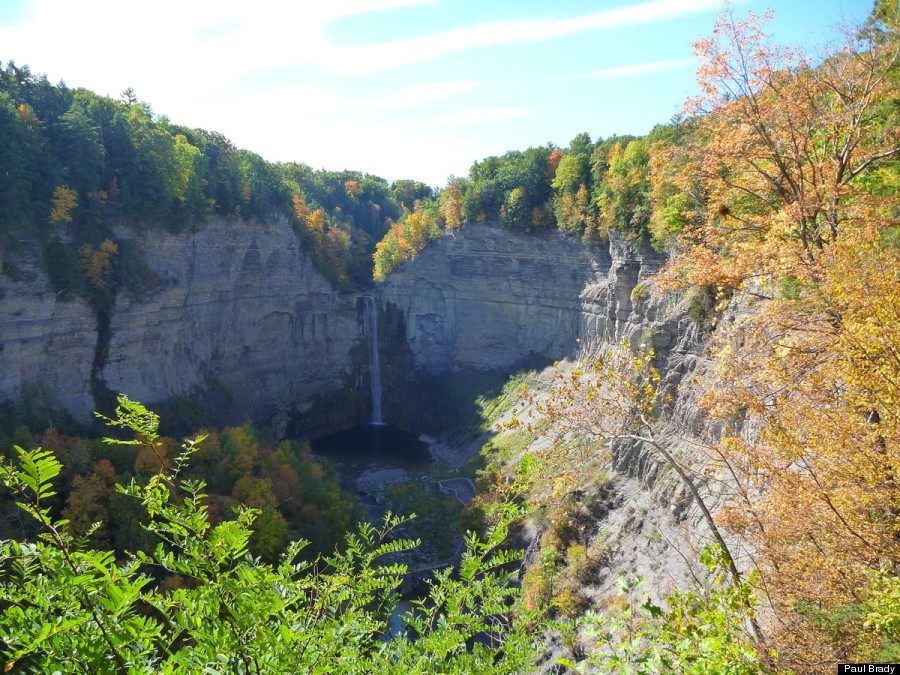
(489, 299)
(44, 342)
(241, 309)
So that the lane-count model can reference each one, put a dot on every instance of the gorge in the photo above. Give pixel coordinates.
(243, 309)
(623, 405)
(242, 322)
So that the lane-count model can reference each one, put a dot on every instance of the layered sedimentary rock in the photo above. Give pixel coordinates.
(45, 343)
(489, 298)
(241, 307)
(237, 308)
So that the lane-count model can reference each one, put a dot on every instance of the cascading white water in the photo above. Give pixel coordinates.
(374, 360)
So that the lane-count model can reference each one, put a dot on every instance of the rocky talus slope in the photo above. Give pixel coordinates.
(490, 298)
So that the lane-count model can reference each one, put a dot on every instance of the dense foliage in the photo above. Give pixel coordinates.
(295, 495)
(693, 632)
(794, 165)
(585, 190)
(199, 601)
(74, 164)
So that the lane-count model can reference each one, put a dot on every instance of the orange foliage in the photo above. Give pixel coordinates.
(352, 188)
(451, 204)
(330, 243)
(553, 161)
(777, 151)
(792, 204)
(65, 199)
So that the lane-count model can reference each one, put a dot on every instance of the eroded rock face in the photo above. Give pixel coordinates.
(240, 309)
(488, 298)
(241, 305)
(44, 342)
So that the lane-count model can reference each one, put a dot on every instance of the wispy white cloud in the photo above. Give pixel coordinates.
(416, 95)
(388, 55)
(641, 68)
(478, 116)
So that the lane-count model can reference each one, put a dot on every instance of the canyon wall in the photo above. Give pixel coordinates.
(489, 299)
(45, 343)
(242, 307)
(239, 309)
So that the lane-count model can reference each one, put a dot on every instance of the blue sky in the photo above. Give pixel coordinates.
(399, 88)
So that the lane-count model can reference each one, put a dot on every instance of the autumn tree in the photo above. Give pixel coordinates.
(781, 148)
(789, 198)
(571, 180)
(97, 262)
(623, 196)
(452, 203)
(65, 200)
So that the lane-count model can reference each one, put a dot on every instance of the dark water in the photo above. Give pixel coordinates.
(374, 448)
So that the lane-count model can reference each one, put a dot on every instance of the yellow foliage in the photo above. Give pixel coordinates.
(97, 263)
(64, 200)
(26, 114)
(352, 188)
(799, 208)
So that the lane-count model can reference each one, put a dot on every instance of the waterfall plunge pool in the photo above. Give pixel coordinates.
(369, 457)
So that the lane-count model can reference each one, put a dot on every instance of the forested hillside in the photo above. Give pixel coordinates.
(74, 165)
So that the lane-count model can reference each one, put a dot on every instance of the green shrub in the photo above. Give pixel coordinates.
(693, 632)
(581, 567)
(639, 293)
(701, 304)
(199, 602)
(568, 604)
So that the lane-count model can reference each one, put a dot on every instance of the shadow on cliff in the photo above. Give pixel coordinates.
(448, 405)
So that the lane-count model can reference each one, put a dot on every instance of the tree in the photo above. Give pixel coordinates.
(616, 396)
(77, 145)
(65, 200)
(623, 200)
(693, 632)
(97, 262)
(452, 203)
(791, 199)
(781, 146)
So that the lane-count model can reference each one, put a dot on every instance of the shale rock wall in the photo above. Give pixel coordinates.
(45, 342)
(240, 308)
(488, 298)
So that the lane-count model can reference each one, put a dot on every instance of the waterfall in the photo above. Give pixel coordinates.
(374, 360)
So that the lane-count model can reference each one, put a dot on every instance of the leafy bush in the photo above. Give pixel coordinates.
(199, 602)
(436, 515)
(694, 632)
